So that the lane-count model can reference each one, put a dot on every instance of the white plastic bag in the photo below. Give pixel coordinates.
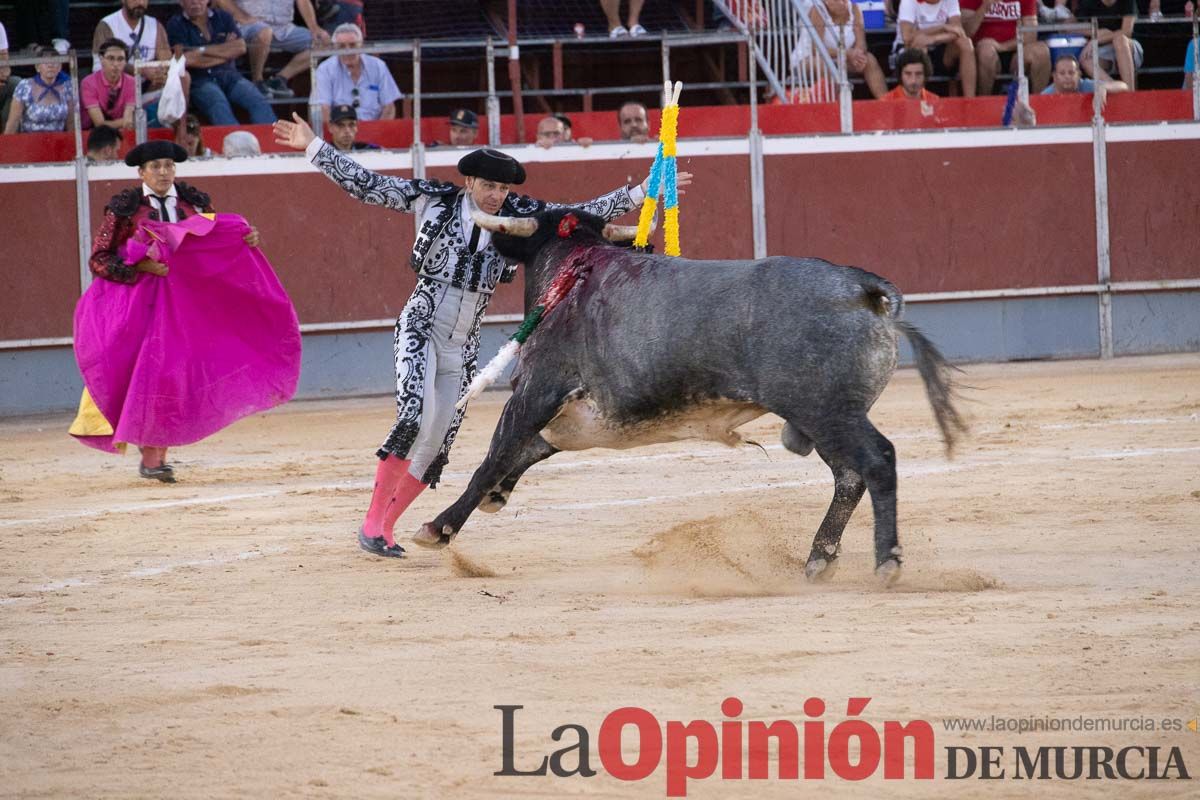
(172, 105)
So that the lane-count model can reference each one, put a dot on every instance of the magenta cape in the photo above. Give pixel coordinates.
(171, 360)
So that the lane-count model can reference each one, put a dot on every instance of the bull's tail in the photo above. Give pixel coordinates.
(882, 296)
(939, 385)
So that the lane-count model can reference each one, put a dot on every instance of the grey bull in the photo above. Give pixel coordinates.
(648, 348)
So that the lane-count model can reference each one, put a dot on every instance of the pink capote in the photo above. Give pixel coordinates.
(171, 360)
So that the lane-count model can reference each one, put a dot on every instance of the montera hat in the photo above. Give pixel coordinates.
(152, 151)
(492, 165)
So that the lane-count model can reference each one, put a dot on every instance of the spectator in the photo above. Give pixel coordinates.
(464, 127)
(266, 25)
(914, 68)
(569, 135)
(213, 44)
(1114, 20)
(343, 130)
(839, 21)
(612, 10)
(8, 84)
(107, 96)
(145, 40)
(937, 28)
(992, 26)
(188, 137)
(635, 125)
(1068, 80)
(362, 81)
(550, 131)
(43, 102)
(103, 144)
(240, 143)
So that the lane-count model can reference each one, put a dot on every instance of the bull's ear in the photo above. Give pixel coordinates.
(512, 226)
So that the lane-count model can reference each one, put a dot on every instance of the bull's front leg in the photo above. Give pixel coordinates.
(497, 497)
(515, 443)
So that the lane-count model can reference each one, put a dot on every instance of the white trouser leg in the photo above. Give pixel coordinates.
(451, 328)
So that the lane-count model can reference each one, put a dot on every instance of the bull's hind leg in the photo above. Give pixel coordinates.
(867, 452)
(497, 497)
(848, 488)
(515, 442)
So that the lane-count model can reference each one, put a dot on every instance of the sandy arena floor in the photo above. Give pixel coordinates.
(224, 637)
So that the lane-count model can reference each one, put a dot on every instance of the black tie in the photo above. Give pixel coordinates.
(162, 203)
(473, 245)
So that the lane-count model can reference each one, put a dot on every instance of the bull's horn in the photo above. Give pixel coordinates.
(512, 226)
(626, 233)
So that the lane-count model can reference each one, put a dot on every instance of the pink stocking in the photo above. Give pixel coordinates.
(153, 456)
(406, 492)
(388, 475)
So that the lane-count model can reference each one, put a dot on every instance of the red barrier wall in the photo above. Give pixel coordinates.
(1154, 210)
(941, 220)
(40, 280)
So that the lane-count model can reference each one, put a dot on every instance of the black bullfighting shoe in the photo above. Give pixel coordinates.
(377, 546)
(164, 473)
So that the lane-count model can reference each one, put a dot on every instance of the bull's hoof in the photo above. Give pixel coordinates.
(493, 502)
(819, 570)
(888, 573)
(429, 537)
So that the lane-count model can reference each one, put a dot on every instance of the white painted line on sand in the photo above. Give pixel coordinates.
(706, 452)
(143, 572)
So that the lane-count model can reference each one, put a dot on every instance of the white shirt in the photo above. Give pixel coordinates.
(468, 224)
(172, 199)
(925, 15)
(3, 37)
(147, 45)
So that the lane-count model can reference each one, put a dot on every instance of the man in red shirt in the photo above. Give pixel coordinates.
(914, 67)
(107, 95)
(992, 26)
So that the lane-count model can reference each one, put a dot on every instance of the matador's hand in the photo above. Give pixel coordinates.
(297, 135)
(681, 179)
(153, 267)
(252, 238)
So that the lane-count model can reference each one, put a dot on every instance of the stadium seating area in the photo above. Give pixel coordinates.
(561, 72)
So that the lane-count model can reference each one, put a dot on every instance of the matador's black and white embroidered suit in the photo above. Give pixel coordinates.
(437, 333)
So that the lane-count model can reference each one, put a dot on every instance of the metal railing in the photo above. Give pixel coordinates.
(1195, 45)
(795, 61)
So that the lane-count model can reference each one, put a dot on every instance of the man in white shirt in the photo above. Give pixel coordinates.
(360, 81)
(937, 28)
